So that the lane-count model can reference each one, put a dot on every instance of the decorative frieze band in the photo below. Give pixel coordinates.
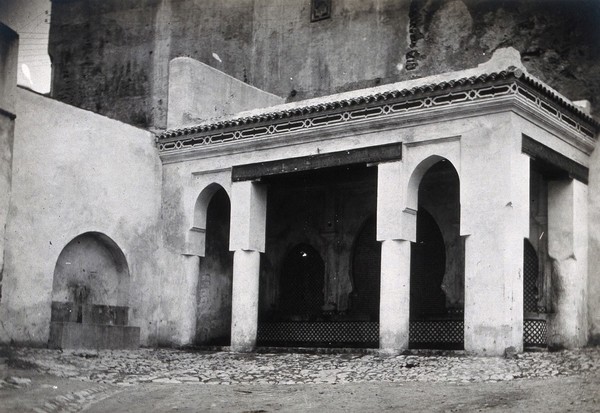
(377, 106)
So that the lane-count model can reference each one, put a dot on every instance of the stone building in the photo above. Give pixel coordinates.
(306, 173)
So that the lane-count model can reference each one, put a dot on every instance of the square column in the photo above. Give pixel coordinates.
(568, 248)
(244, 301)
(247, 240)
(186, 301)
(394, 302)
(495, 218)
(395, 229)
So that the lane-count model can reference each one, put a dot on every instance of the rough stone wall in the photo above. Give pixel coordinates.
(102, 56)
(76, 172)
(112, 56)
(557, 39)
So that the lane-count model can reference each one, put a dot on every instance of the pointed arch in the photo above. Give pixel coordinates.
(215, 270)
(414, 182)
(437, 257)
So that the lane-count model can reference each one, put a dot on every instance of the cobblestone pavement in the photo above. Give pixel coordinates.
(125, 368)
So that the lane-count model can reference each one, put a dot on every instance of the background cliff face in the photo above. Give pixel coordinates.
(111, 56)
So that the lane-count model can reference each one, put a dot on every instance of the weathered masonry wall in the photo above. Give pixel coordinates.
(115, 74)
(75, 172)
(8, 80)
(112, 56)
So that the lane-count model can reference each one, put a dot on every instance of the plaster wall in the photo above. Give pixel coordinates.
(593, 282)
(76, 172)
(495, 218)
(198, 92)
(9, 46)
(567, 247)
(9, 43)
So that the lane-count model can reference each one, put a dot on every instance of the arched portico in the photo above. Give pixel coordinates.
(437, 260)
(397, 213)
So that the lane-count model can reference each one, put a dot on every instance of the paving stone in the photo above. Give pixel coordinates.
(175, 366)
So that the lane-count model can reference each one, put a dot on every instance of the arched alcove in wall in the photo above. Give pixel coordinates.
(213, 295)
(91, 282)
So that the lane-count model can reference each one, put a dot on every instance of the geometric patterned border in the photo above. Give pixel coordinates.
(512, 82)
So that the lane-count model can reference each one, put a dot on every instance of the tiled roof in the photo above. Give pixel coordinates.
(391, 92)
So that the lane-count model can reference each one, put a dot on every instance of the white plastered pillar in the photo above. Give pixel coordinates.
(187, 300)
(395, 229)
(568, 248)
(495, 220)
(247, 240)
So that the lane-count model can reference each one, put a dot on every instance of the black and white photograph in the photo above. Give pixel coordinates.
(258, 206)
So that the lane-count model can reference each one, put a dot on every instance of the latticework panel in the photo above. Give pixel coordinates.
(319, 334)
(530, 278)
(444, 334)
(535, 333)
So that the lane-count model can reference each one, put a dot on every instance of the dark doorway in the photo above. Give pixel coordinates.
(366, 269)
(427, 268)
(321, 261)
(437, 263)
(302, 284)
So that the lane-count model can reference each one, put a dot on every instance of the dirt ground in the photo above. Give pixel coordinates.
(552, 395)
(47, 393)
